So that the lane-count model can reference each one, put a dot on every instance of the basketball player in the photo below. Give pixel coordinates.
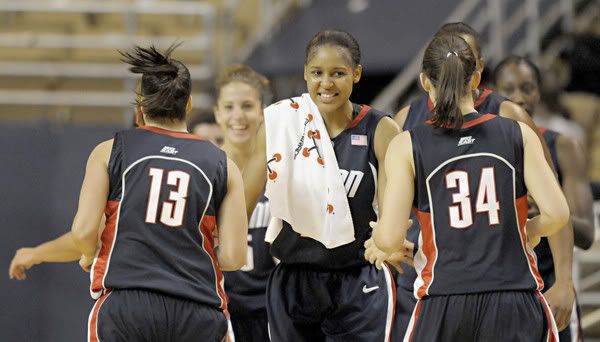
(467, 175)
(316, 293)
(157, 275)
(519, 79)
(485, 101)
(241, 94)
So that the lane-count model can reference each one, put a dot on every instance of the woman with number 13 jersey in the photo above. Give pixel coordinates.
(157, 275)
(467, 176)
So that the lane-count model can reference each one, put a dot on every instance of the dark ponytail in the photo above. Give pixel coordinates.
(166, 83)
(449, 63)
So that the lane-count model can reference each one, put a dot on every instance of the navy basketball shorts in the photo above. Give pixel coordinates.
(250, 329)
(492, 316)
(405, 305)
(305, 304)
(138, 315)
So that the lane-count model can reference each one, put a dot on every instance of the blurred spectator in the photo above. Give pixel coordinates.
(582, 97)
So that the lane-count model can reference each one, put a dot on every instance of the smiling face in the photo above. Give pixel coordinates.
(518, 83)
(330, 76)
(239, 112)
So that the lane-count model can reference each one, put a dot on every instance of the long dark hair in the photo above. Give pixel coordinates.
(461, 29)
(166, 83)
(336, 38)
(449, 63)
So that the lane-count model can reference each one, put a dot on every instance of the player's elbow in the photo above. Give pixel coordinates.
(584, 242)
(82, 232)
(583, 236)
(232, 259)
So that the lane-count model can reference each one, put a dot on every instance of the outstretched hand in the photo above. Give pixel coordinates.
(23, 260)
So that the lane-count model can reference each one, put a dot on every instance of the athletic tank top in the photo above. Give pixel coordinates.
(247, 287)
(355, 153)
(418, 114)
(165, 191)
(471, 203)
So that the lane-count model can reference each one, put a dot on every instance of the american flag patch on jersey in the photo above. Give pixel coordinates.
(359, 139)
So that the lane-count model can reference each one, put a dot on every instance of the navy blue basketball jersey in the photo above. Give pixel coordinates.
(542, 250)
(165, 191)
(247, 287)
(471, 203)
(355, 152)
(420, 110)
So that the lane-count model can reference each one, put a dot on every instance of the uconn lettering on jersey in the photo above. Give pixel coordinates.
(352, 181)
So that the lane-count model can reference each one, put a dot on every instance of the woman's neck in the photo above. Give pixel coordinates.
(339, 119)
(467, 108)
(177, 126)
(238, 153)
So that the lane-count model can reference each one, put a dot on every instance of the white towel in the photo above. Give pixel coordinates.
(304, 187)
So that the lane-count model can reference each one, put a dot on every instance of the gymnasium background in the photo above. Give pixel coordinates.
(63, 90)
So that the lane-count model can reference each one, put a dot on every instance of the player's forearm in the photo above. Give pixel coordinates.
(561, 245)
(61, 249)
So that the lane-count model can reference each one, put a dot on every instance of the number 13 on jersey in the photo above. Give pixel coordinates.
(172, 211)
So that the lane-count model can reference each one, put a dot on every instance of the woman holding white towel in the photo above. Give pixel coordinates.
(318, 293)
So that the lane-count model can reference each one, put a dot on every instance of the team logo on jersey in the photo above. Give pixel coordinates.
(466, 141)
(169, 150)
(352, 180)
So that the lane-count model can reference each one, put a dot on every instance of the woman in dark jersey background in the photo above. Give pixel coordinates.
(467, 176)
(518, 79)
(241, 95)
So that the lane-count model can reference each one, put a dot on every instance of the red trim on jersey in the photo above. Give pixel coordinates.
(391, 291)
(414, 320)
(93, 320)
(552, 329)
(360, 116)
(522, 206)
(207, 226)
(429, 249)
(479, 120)
(172, 133)
(471, 123)
(107, 238)
(429, 104)
(482, 97)
(478, 101)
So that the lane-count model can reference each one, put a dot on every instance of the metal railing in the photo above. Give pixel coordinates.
(501, 31)
(201, 41)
